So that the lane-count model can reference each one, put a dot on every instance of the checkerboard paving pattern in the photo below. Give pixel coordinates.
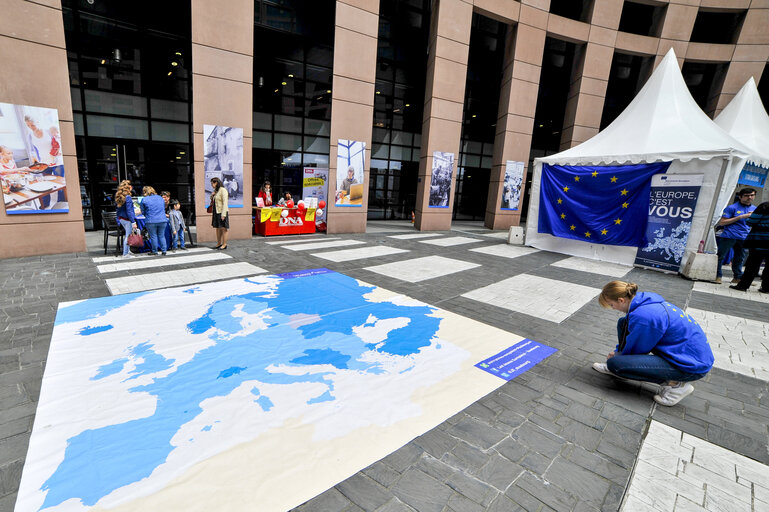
(739, 344)
(678, 472)
(724, 291)
(451, 241)
(167, 279)
(594, 266)
(160, 261)
(536, 296)
(422, 269)
(359, 254)
(505, 250)
(288, 241)
(412, 236)
(314, 246)
(118, 259)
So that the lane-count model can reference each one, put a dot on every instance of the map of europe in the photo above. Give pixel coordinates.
(143, 390)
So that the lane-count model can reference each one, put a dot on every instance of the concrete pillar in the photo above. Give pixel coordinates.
(584, 107)
(352, 99)
(222, 94)
(517, 103)
(677, 29)
(444, 100)
(750, 55)
(31, 42)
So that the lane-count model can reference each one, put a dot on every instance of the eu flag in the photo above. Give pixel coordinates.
(603, 205)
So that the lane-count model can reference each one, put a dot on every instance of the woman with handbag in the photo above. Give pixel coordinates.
(757, 243)
(221, 214)
(125, 213)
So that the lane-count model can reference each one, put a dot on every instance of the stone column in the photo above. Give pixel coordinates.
(444, 100)
(352, 100)
(32, 42)
(222, 94)
(750, 55)
(524, 48)
(677, 29)
(587, 91)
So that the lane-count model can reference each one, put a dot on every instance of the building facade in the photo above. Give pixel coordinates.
(487, 81)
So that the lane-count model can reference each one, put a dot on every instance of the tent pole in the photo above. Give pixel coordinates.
(709, 226)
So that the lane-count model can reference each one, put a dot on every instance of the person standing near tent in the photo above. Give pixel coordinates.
(734, 220)
(658, 343)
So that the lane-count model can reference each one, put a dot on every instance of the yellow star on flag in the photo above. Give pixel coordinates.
(576, 178)
(565, 189)
(625, 205)
(618, 221)
(623, 191)
(560, 200)
(587, 234)
(604, 231)
(563, 215)
(595, 173)
(572, 227)
(614, 179)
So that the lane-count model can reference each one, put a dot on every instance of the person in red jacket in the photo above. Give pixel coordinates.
(266, 193)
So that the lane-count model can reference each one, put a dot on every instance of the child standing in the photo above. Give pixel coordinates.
(177, 225)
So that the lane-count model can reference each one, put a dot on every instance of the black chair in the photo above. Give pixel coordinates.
(187, 222)
(112, 228)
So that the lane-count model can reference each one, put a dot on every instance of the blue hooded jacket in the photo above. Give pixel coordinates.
(657, 326)
(154, 209)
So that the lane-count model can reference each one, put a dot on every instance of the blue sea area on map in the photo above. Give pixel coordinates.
(94, 308)
(99, 461)
(110, 368)
(87, 331)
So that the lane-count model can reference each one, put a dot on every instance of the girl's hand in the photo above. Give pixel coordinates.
(611, 354)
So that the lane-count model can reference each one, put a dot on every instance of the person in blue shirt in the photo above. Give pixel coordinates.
(154, 210)
(735, 230)
(758, 243)
(658, 342)
(125, 213)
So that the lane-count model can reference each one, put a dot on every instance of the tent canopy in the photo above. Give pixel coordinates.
(663, 122)
(745, 119)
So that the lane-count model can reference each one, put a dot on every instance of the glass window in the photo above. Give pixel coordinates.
(288, 124)
(315, 159)
(288, 142)
(317, 127)
(166, 109)
(107, 126)
(111, 103)
(316, 144)
(262, 140)
(262, 121)
(79, 128)
(378, 151)
(404, 138)
(77, 103)
(170, 132)
(400, 153)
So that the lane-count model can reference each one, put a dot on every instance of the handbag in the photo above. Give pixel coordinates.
(135, 240)
(210, 208)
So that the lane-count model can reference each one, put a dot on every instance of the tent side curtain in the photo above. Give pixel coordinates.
(597, 204)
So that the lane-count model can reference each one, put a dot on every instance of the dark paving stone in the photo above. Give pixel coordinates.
(422, 492)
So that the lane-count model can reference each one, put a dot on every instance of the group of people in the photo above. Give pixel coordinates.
(159, 211)
(265, 194)
(745, 233)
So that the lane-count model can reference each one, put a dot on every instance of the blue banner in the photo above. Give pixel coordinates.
(671, 208)
(517, 359)
(603, 205)
(752, 176)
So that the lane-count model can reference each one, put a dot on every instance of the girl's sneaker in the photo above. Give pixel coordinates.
(671, 395)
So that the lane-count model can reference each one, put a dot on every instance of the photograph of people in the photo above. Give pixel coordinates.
(440, 183)
(511, 190)
(223, 159)
(350, 161)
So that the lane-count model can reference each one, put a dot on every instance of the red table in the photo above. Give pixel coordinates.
(293, 224)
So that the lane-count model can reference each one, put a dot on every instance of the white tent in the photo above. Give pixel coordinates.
(662, 123)
(745, 119)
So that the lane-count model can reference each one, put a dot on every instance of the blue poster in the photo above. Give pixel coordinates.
(672, 201)
(752, 176)
(517, 359)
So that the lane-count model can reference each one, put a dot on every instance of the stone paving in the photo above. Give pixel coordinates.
(559, 437)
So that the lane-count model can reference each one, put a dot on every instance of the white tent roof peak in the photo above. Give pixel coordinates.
(663, 122)
(745, 119)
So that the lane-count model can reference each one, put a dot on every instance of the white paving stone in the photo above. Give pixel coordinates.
(506, 250)
(705, 477)
(496, 234)
(536, 296)
(285, 240)
(451, 241)
(117, 259)
(739, 344)
(360, 253)
(314, 246)
(160, 261)
(422, 269)
(411, 236)
(170, 278)
(724, 290)
(593, 266)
